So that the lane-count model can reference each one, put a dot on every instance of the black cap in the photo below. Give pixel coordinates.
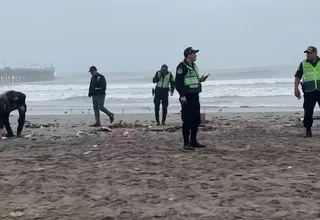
(164, 67)
(189, 50)
(92, 68)
(311, 49)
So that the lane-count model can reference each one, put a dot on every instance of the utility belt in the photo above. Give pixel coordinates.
(160, 90)
(193, 91)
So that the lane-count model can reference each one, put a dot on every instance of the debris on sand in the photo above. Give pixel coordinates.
(208, 128)
(27, 136)
(79, 134)
(87, 152)
(16, 214)
(48, 125)
(173, 129)
(170, 129)
(126, 125)
(104, 129)
(155, 129)
(39, 169)
(176, 128)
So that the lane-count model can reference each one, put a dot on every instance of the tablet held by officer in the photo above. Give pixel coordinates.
(188, 85)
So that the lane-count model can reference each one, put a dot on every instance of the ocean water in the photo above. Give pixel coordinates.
(235, 90)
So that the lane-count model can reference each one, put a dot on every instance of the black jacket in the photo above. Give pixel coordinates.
(98, 85)
(12, 100)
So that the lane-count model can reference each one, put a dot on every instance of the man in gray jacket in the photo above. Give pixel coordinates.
(97, 91)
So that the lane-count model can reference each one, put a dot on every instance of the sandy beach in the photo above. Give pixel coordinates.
(255, 166)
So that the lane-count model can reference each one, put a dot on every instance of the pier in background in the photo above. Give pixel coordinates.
(16, 75)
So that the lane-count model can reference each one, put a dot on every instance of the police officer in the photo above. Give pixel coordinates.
(163, 78)
(309, 72)
(97, 91)
(10, 101)
(188, 84)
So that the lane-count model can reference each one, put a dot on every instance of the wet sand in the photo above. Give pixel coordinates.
(255, 166)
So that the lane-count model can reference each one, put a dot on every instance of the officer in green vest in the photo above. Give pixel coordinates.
(309, 72)
(164, 82)
(188, 84)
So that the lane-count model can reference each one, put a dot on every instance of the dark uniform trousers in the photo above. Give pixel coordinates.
(310, 100)
(161, 96)
(190, 115)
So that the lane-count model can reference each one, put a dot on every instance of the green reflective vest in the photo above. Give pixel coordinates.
(311, 76)
(192, 80)
(164, 81)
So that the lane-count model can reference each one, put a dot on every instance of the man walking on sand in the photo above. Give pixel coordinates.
(309, 72)
(164, 83)
(97, 91)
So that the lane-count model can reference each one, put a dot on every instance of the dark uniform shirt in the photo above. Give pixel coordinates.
(12, 100)
(299, 71)
(182, 70)
(98, 85)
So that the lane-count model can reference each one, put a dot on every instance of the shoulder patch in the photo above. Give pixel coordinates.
(179, 70)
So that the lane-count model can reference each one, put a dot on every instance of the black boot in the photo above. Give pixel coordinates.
(9, 132)
(186, 138)
(97, 118)
(111, 117)
(194, 142)
(308, 132)
(163, 120)
(157, 119)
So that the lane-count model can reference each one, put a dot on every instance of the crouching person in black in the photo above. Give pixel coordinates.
(10, 101)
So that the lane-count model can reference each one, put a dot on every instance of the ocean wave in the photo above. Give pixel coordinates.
(211, 89)
(133, 96)
(248, 81)
(111, 86)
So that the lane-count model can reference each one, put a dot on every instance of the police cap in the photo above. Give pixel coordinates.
(164, 67)
(92, 68)
(189, 50)
(311, 49)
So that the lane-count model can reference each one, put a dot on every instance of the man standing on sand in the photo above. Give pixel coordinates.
(309, 72)
(97, 91)
(163, 78)
(188, 84)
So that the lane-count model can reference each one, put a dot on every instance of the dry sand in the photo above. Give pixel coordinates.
(255, 166)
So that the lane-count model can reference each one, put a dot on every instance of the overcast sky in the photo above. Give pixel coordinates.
(134, 35)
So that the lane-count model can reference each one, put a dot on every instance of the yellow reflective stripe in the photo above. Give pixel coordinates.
(191, 80)
(164, 81)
